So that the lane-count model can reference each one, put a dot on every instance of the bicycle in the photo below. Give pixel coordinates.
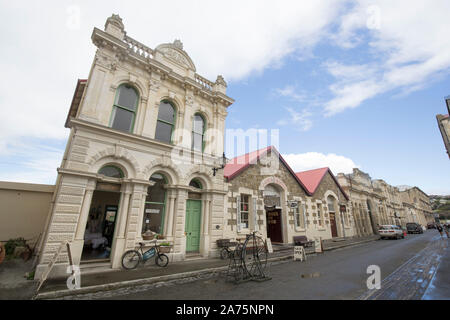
(254, 253)
(132, 258)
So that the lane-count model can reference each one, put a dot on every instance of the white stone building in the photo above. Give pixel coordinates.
(146, 132)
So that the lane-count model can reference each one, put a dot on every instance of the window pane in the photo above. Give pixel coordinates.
(198, 124)
(156, 193)
(153, 217)
(166, 112)
(163, 132)
(197, 141)
(111, 171)
(127, 97)
(195, 184)
(123, 119)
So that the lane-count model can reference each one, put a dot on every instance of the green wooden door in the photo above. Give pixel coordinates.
(193, 218)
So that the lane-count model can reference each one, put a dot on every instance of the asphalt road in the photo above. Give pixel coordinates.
(338, 274)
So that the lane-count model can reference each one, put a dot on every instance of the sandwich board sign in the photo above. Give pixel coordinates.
(318, 244)
(299, 253)
(269, 245)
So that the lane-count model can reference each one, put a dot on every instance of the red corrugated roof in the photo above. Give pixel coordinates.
(240, 163)
(311, 179)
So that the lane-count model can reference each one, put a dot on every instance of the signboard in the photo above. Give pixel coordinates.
(299, 253)
(152, 210)
(293, 204)
(272, 201)
(318, 244)
(104, 186)
(269, 245)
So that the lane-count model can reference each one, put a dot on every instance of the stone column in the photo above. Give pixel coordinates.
(78, 243)
(119, 240)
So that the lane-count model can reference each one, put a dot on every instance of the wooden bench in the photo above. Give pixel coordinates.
(303, 241)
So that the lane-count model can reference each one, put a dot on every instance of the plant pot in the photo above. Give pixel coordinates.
(165, 249)
(148, 237)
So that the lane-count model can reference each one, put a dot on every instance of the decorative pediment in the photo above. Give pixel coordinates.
(174, 51)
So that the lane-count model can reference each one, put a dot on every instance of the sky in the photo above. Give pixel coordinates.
(346, 83)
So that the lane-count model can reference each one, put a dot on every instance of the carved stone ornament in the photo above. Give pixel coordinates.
(115, 20)
(174, 55)
(189, 100)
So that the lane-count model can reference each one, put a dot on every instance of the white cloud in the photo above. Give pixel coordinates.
(315, 160)
(299, 120)
(408, 45)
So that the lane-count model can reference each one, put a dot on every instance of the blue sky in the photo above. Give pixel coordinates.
(351, 83)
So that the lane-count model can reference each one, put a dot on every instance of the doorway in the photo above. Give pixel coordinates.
(193, 220)
(273, 218)
(333, 226)
(99, 233)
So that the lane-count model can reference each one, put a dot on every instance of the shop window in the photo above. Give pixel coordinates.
(198, 132)
(111, 171)
(124, 109)
(244, 210)
(166, 122)
(155, 205)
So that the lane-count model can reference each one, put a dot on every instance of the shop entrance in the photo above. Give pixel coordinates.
(333, 226)
(273, 218)
(98, 236)
(193, 220)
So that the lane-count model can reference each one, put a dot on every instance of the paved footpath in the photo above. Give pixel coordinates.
(337, 274)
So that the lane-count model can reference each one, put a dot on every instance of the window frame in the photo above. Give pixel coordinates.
(112, 166)
(241, 203)
(203, 133)
(116, 105)
(165, 122)
(164, 204)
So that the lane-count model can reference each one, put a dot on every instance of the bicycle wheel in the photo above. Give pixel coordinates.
(131, 259)
(254, 255)
(162, 260)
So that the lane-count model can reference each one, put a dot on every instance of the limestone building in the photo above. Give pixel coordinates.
(146, 131)
(444, 126)
(375, 202)
(266, 195)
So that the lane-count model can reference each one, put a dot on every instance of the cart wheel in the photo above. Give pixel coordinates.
(224, 254)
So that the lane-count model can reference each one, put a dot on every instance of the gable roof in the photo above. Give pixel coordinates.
(239, 164)
(312, 179)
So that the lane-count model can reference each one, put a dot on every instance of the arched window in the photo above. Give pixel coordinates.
(166, 122)
(111, 171)
(195, 183)
(331, 202)
(155, 205)
(124, 109)
(198, 132)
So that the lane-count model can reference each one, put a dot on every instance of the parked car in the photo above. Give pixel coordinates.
(391, 231)
(431, 226)
(413, 227)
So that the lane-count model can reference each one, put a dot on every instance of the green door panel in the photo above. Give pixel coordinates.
(193, 220)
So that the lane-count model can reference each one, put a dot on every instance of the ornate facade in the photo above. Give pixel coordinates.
(146, 132)
(374, 203)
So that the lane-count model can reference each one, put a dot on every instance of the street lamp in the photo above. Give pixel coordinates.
(224, 162)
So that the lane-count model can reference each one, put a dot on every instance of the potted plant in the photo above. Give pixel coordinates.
(160, 237)
(148, 235)
(165, 247)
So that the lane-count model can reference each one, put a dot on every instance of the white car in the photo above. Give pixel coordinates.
(391, 231)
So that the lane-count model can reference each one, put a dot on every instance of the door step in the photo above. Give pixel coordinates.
(95, 266)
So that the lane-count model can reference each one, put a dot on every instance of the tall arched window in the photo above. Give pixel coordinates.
(198, 132)
(124, 109)
(155, 205)
(331, 203)
(111, 171)
(166, 122)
